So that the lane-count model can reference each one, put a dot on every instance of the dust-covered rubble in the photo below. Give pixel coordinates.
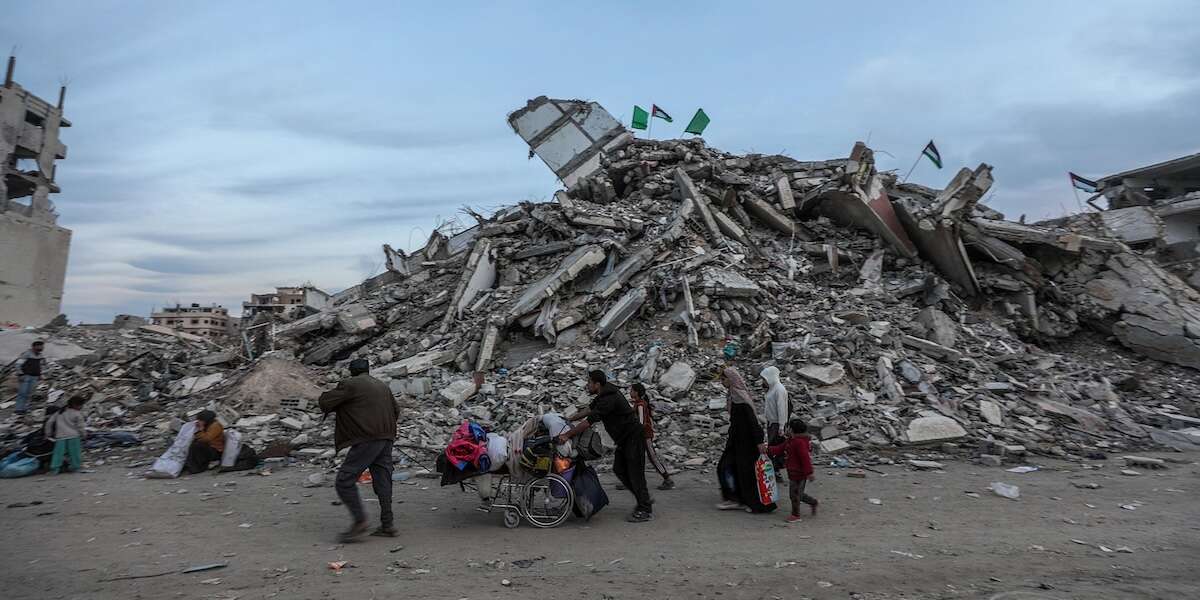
(903, 320)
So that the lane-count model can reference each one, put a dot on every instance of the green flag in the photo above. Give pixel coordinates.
(641, 118)
(698, 123)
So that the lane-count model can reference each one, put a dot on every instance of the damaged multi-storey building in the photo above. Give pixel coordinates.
(898, 315)
(33, 247)
(1154, 209)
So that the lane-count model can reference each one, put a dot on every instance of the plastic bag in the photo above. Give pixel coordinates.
(18, 465)
(233, 444)
(1005, 490)
(497, 450)
(589, 495)
(764, 471)
(171, 462)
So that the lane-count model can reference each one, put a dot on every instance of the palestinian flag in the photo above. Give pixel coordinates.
(931, 152)
(655, 111)
(1080, 183)
(641, 118)
(698, 123)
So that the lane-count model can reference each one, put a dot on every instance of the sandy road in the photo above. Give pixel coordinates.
(930, 538)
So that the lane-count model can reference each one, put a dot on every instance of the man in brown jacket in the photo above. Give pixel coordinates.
(366, 422)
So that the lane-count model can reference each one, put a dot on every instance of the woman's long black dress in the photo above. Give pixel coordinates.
(735, 471)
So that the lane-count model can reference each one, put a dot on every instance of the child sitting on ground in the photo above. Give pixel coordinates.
(68, 430)
(799, 467)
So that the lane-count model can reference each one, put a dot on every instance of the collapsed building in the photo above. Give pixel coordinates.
(1154, 209)
(33, 247)
(901, 317)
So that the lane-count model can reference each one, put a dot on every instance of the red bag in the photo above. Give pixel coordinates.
(764, 473)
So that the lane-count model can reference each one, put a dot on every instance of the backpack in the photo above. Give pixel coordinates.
(589, 445)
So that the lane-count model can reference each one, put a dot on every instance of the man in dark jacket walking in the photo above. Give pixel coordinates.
(366, 422)
(629, 462)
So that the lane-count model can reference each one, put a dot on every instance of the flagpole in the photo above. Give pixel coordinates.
(910, 170)
(650, 124)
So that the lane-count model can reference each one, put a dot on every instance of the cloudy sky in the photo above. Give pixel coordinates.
(222, 148)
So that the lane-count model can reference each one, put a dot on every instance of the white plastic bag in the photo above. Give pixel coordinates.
(497, 450)
(171, 462)
(1005, 490)
(233, 443)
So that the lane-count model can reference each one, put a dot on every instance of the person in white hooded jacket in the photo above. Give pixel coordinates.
(775, 411)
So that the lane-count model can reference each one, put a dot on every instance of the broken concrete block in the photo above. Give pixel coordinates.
(768, 215)
(823, 374)
(787, 201)
(1085, 419)
(355, 318)
(723, 283)
(292, 423)
(991, 413)
(833, 445)
(939, 327)
(924, 430)
(458, 391)
(677, 380)
(575, 263)
(888, 386)
(926, 464)
(417, 363)
(258, 421)
(688, 191)
(609, 284)
(730, 227)
(621, 311)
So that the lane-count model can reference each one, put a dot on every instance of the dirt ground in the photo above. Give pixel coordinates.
(934, 535)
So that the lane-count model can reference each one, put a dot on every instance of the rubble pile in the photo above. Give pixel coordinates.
(900, 317)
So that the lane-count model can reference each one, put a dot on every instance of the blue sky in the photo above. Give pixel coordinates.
(222, 148)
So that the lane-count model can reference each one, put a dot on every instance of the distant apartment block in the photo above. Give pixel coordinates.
(300, 300)
(211, 321)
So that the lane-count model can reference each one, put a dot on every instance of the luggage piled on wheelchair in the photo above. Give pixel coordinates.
(524, 473)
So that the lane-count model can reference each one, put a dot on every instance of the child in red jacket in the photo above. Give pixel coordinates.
(799, 467)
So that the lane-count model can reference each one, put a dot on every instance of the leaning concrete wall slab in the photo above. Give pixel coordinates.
(568, 135)
(33, 265)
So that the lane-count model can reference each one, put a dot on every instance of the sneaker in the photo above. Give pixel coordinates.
(388, 531)
(667, 484)
(639, 516)
(730, 505)
(793, 519)
(356, 531)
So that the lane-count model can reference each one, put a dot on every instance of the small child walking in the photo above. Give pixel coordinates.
(67, 429)
(796, 448)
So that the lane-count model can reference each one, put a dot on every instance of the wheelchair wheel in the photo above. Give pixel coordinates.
(512, 519)
(548, 501)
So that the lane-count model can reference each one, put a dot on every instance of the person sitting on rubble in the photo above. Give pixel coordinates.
(610, 407)
(207, 445)
(736, 469)
(366, 423)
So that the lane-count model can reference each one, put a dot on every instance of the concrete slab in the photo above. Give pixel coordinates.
(924, 430)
